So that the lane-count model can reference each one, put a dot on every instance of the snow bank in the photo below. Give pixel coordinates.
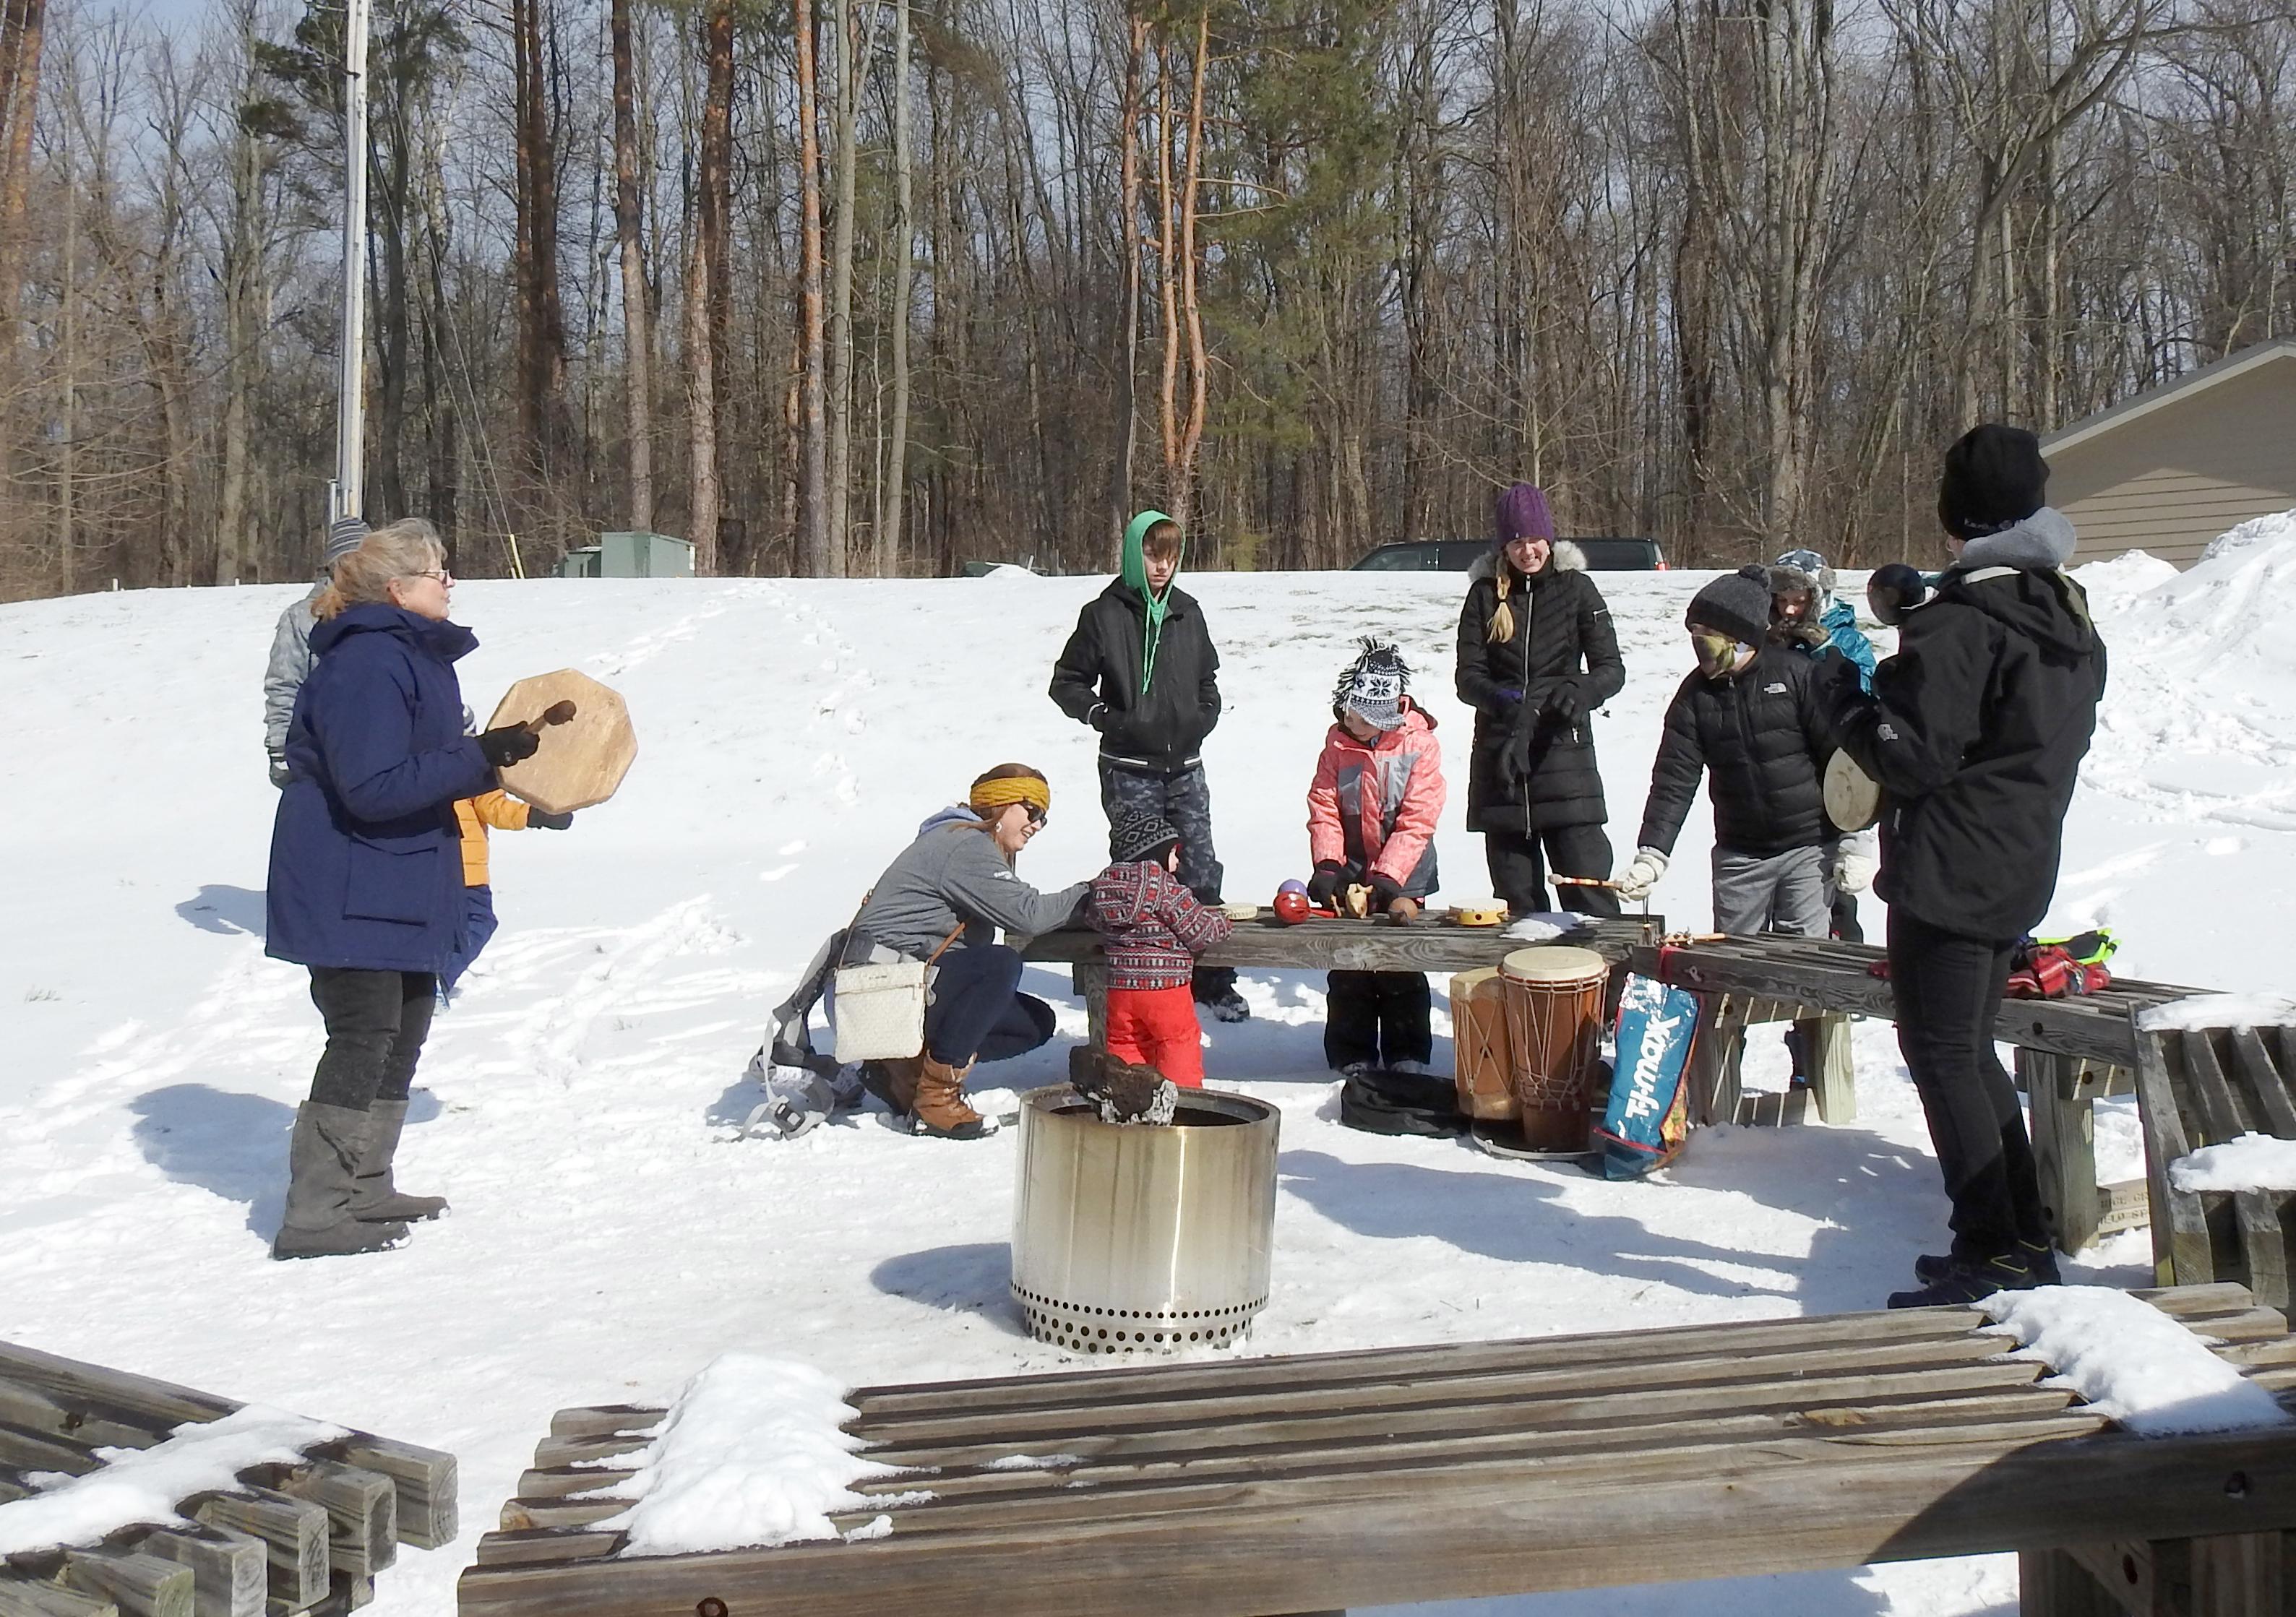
(2253, 1162)
(2275, 528)
(2119, 578)
(2131, 1361)
(752, 1453)
(2201, 1010)
(143, 1486)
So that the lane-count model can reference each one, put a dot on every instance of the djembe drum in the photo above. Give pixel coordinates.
(1554, 1028)
(1485, 1065)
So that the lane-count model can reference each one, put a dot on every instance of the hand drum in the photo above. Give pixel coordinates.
(584, 755)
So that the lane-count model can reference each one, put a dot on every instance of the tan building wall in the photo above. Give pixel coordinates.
(2168, 479)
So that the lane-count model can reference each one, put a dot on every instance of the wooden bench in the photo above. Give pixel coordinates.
(1308, 1484)
(304, 1539)
(2204, 1088)
(2069, 1052)
(1322, 944)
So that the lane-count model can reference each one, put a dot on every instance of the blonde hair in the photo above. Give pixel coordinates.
(1503, 620)
(397, 549)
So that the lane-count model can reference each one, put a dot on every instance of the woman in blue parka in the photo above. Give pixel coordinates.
(367, 872)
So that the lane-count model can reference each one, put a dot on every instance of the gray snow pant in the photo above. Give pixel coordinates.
(1184, 799)
(1771, 893)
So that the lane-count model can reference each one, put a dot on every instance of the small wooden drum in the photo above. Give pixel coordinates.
(1485, 1069)
(1554, 1028)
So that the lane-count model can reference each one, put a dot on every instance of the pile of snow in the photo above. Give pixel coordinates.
(2251, 1162)
(752, 1453)
(2208, 1010)
(142, 1487)
(2130, 1361)
(2117, 580)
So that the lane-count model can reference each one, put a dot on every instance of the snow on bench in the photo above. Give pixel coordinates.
(1254, 1485)
(123, 1494)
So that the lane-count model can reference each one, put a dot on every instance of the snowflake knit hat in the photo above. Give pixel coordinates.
(1139, 837)
(1522, 514)
(1372, 686)
(1737, 605)
(344, 535)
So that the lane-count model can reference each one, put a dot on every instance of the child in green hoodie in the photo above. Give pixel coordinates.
(1141, 670)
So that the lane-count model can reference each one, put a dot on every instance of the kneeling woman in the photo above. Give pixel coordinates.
(367, 877)
(948, 893)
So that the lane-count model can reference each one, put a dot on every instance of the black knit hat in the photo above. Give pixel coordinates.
(1993, 478)
(1739, 606)
(1137, 838)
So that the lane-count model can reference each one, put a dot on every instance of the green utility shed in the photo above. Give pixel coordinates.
(629, 555)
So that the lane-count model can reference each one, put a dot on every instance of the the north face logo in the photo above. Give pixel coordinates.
(1778, 690)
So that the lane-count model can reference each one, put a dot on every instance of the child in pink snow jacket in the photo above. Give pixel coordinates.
(1371, 823)
(1155, 929)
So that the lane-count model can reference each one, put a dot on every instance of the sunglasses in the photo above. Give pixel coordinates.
(1035, 815)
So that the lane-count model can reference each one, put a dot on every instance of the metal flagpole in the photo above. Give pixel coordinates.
(347, 493)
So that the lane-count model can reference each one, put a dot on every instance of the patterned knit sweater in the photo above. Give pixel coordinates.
(1155, 928)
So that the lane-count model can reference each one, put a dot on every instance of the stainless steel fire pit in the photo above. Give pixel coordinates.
(1142, 1239)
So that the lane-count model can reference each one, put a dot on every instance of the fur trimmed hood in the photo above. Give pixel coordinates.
(1564, 558)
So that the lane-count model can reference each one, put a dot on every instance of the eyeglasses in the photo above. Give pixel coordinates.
(440, 574)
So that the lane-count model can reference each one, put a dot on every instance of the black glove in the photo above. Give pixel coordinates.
(1562, 704)
(1098, 716)
(548, 821)
(1324, 885)
(508, 745)
(1384, 890)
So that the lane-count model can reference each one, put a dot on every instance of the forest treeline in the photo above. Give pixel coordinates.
(873, 287)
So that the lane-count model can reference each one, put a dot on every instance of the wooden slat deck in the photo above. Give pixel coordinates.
(1287, 1484)
(306, 1538)
(2202, 1088)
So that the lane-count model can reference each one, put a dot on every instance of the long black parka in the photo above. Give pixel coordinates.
(1532, 767)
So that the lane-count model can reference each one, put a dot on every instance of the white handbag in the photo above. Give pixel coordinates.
(877, 1009)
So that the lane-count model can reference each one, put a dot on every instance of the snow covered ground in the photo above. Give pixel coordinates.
(611, 1234)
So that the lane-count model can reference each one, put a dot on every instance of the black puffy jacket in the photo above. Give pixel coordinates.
(1975, 732)
(1562, 643)
(1762, 733)
(1161, 729)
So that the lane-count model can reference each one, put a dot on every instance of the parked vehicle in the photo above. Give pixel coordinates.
(1603, 555)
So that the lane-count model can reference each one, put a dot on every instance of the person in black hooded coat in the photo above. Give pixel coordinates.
(1975, 730)
(1536, 656)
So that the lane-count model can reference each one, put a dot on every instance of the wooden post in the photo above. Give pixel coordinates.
(2064, 1145)
(1714, 1062)
(2181, 1255)
(1091, 979)
(2053, 1583)
(1833, 1074)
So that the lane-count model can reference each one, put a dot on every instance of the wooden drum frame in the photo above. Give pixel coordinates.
(1555, 1030)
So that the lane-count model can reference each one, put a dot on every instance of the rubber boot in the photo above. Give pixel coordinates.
(940, 1111)
(375, 1199)
(322, 1155)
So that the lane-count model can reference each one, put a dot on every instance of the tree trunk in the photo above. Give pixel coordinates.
(889, 545)
(850, 64)
(637, 330)
(1127, 411)
(20, 99)
(701, 411)
(815, 555)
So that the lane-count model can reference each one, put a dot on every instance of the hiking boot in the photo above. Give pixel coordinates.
(894, 1083)
(2040, 1262)
(375, 1199)
(323, 1154)
(940, 1110)
(1967, 1283)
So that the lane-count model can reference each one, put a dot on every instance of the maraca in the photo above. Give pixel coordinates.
(1292, 903)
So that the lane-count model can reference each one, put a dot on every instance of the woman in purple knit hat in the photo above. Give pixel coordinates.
(1537, 657)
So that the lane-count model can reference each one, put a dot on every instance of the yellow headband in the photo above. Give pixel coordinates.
(1019, 788)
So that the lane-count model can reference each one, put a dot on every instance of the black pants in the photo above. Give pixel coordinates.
(978, 1013)
(1519, 873)
(1846, 925)
(1185, 799)
(376, 1023)
(1379, 1017)
(1948, 989)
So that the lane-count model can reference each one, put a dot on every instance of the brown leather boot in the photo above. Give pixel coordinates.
(940, 1110)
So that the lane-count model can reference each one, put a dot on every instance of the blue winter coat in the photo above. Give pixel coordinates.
(1842, 632)
(367, 869)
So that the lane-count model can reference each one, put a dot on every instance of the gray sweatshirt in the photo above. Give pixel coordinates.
(954, 871)
(284, 676)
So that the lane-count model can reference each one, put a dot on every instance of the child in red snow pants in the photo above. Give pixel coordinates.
(1157, 1026)
(1155, 928)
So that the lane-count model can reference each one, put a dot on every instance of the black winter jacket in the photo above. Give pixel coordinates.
(1975, 732)
(1532, 766)
(1162, 729)
(1764, 735)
